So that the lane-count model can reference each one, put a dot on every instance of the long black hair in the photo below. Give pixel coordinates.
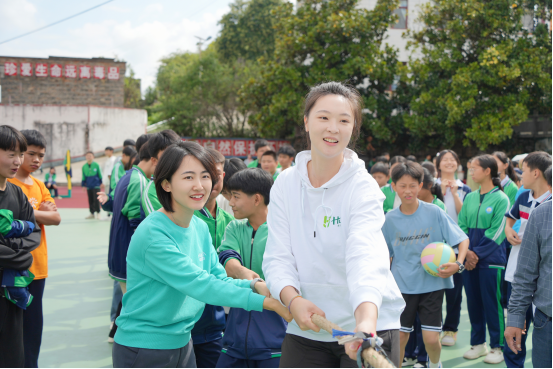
(510, 171)
(430, 184)
(131, 153)
(487, 161)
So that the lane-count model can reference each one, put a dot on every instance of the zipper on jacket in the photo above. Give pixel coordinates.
(250, 313)
(478, 212)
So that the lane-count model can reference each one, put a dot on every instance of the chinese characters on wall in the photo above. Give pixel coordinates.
(235, 147)
(25, 69)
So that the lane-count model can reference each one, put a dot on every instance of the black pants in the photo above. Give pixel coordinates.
(453, 299)
(208, 353)
(32, 324)
(299, 352)
(11, 334)
(132, 357)
(93, 202)
(50, 186)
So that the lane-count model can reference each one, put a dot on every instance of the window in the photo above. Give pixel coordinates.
(401, 12)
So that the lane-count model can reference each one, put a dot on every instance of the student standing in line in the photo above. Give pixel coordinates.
(381, 174)
(232, 166)
(286, 155)
(15, 253)
(92, 179)
(507, 175)
(50, 181)
(532, 286)
(454, 192)
(207, 332)
(325, 251)
(431, 193)
(252, 339)
(423, 293)
(269, 163)
(119, 167)
(141, 140)
(125, 202)
(108, 168)
(533, 168)
(392, 200)
(157, 144)
(46, 213)
(173, 269)
(482, 219)
(260, 146)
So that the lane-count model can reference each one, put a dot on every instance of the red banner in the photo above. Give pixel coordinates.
(240, 147)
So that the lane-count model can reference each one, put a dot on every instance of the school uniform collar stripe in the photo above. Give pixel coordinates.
(148, 202)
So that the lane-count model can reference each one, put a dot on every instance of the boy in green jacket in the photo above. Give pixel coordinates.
(92, 180)
(252, 339)
(208, 331)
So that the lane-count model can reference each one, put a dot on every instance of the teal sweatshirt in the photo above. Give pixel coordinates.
(172, 272)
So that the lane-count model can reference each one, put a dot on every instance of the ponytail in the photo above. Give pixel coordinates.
(487, 161)
(430, 184)
(510, 171)
(437, 191)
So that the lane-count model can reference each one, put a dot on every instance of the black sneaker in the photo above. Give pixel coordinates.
(408, 361)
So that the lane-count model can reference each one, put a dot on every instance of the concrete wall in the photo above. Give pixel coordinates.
(77, 128)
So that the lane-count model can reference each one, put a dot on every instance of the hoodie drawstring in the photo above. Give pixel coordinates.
(316, 210)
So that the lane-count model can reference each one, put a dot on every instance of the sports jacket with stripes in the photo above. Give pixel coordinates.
(482, 219)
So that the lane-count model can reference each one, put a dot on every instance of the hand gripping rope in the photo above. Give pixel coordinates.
(369, 355)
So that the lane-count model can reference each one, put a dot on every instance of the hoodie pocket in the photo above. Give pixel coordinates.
(333, 300)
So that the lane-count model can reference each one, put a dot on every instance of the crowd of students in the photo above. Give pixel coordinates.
(222, 263)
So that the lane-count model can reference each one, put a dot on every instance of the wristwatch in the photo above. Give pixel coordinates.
(253, 282)
(461, 267)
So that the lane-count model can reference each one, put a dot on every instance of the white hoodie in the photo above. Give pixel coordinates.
(327, 243)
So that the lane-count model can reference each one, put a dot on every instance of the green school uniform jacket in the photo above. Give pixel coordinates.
(482, 218)
(92, 175)
(150, 202)
(390, 197)
(216, 225)
(439, 203)
(511, 190)
(116, 174)
(250, 335)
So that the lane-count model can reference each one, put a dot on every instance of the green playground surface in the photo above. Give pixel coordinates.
(77, 300)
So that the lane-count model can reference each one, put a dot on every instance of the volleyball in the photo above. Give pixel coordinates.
(436, 254)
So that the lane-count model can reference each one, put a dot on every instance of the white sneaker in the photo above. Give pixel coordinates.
(91, 216)
(476, 351)
(449, 338)
(408, 361)
(495, 356)
(420, 364)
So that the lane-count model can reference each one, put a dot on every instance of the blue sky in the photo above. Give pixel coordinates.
(138, 31)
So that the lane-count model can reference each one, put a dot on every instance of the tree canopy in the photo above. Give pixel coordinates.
(322, 41)
(476, 73)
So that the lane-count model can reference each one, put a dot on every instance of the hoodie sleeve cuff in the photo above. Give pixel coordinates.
(365, 294)
(277, 287)
(255, 302)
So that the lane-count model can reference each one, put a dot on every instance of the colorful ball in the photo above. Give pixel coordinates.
(436, 254)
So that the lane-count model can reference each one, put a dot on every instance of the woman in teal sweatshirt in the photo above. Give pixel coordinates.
(173, 269)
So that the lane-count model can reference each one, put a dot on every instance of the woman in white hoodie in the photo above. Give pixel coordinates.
(325, 251)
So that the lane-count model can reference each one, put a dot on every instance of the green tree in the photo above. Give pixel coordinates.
(247, 30)
(322, 41)
(476, 72)
(131, 91)
(198, 95)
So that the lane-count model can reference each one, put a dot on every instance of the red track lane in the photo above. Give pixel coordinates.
(78, 199)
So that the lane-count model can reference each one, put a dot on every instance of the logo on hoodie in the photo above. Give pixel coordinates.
(328, 221)
(201, 256)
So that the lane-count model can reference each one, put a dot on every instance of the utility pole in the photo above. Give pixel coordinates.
(200, 43)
